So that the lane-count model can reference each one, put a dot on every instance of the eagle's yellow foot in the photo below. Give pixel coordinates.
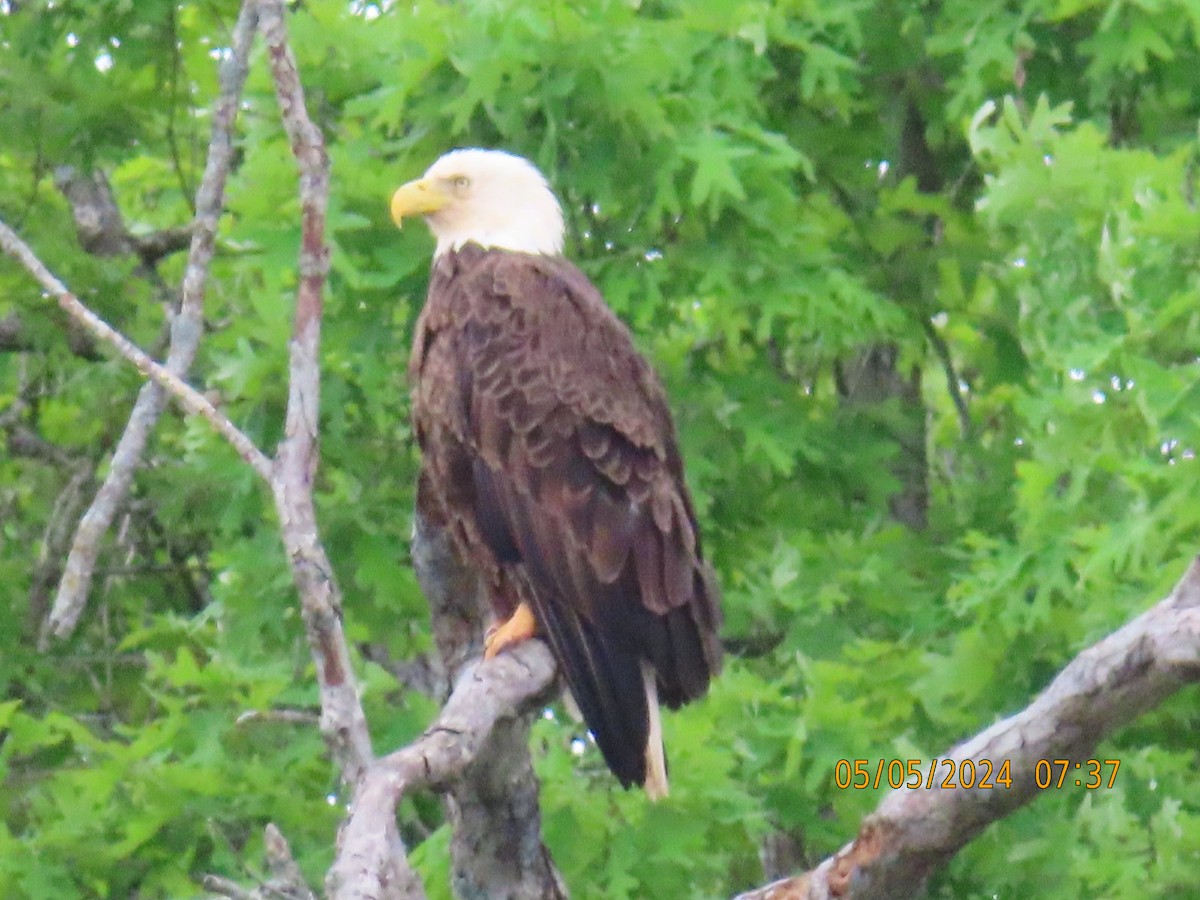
(521, 626)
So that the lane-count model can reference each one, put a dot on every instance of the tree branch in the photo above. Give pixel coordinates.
(100, 226)
(188, 397)
(496, 847)
(942, 349)
(476, 752)
(291, 475)
(186, 330)
(286, 877)
(342, 720)
(487, 694)
(914, 832)
(286, 881)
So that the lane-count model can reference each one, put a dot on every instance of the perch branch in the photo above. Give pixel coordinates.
(496, 846)
(487, 694)
(186, 330)
(476, 753)
(914, 832)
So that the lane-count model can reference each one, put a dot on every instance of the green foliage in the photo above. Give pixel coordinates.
(1001, 194)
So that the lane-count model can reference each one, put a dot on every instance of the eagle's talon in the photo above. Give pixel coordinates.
(489, 638)
(520, 626)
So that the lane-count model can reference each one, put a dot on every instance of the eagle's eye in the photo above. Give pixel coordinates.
(460, 183)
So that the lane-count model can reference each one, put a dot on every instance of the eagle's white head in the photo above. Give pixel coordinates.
(487, 197)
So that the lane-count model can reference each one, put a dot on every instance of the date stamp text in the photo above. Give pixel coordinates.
(986, 774)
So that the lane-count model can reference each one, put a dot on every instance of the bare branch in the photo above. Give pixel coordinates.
(292, 473)
(186, 330)
(100, 226)
(914, 832)
(56, 538)
(163, 242)
(281, 716)
(187, 396)
(225, 887)
(343, 723)
(98, 222)
(500, 690)
(286, 879)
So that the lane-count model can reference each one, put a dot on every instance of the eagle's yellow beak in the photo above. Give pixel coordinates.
(417, 198)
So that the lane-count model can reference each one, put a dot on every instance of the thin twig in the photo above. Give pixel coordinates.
(942, 349)
(218, 884)
(186, 331)
(278, 716)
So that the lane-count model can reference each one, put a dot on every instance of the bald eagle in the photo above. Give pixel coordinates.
(549, 453)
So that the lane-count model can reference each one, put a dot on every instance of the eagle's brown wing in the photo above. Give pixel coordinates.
(576, 482)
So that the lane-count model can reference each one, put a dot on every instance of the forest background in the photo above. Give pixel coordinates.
(921, 280)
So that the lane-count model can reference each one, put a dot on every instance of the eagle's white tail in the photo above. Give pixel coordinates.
(656, 763)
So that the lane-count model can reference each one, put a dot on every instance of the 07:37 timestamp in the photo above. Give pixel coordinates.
(1088, 773)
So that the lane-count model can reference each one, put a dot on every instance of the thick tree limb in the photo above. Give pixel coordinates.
(915, 832)
(496, 847)
(186, 329)
(476, 752)
(98, 221)
(487, 694)
(457, 605)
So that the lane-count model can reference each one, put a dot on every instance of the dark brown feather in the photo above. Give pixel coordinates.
(549, 449)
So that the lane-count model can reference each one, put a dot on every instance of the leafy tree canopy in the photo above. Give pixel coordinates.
(993, 205)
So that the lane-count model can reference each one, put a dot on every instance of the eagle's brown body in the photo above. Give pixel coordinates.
(548, 451)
